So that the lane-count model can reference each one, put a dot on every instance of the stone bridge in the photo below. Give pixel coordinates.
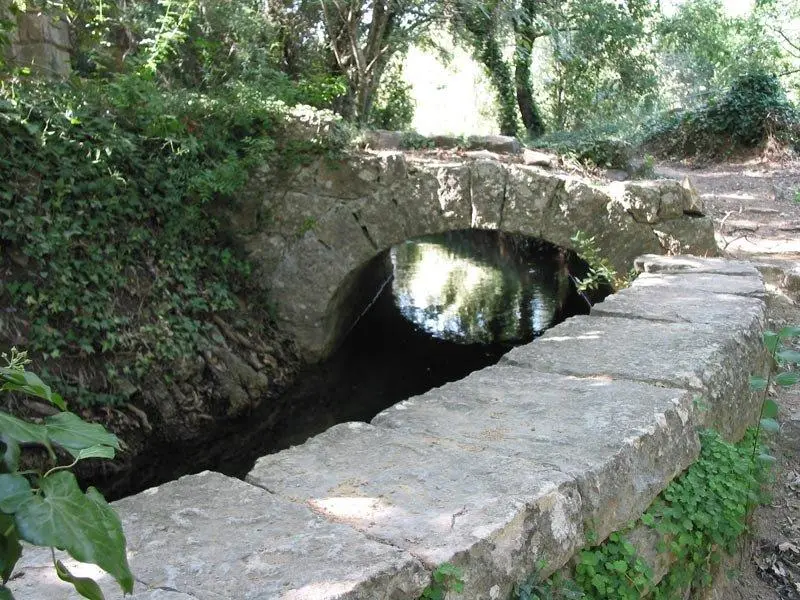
(499, 473)
(310, 239)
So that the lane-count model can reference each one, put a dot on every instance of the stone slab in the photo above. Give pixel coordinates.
(658, 299)
(491, 514)
(712, 359)
(622, 441)
(209, 537)
(654, 263)
(751, 286)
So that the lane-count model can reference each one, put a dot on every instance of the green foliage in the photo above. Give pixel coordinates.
(49, 509)
(601, 272)
(411, 140)
(704, 49)
(607, 147)
(557, 587)
(445, 578)
(754, 110)
(612, 571)
(105, 188)
(394, 107)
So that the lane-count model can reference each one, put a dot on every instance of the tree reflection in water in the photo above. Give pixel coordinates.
(480, 287)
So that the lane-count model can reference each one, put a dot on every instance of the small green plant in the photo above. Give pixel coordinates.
(796, 197)
(601, 272)
(445, 578)
(557, 587)
(613, 570)
(48, 508)
(411, 140)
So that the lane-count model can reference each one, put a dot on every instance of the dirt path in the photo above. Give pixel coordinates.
(756, 209)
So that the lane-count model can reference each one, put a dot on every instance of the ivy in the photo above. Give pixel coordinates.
(105, 200)
(49, 509)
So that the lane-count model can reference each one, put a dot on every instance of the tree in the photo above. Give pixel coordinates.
(363, 35)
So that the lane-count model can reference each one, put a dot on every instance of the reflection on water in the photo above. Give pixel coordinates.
(481, 287)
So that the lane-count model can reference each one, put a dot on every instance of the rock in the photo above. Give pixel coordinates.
(688, 236)
(381, 139)
(539, 159)
(501, 144)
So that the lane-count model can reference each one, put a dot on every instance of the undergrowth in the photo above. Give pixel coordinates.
(108, 241)
(753, 112)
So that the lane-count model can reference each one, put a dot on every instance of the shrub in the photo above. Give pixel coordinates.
(607, 148)
(394, 107)
(754, 110)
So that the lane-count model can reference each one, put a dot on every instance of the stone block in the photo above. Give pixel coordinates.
(713, 359)
(492, 514)
(655, 263)
(208, 536)
(622, 441)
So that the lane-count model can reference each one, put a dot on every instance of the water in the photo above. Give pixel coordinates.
(480, 287)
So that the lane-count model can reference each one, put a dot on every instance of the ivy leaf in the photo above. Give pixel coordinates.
(74, 434)
(788, 357)
(83, 525)
(791, 331)
(758, 383)
(96, 452)
(770, 410)
(85, 586)
(5, 594)
(767, 458)
(10, 548)
(15, 491)
(10, 454)
(787, 379)
(770, 425)
(771, 340)
(23, 432)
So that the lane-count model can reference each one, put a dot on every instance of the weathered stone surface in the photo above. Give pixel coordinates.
(687, 236)
(713, 359)
(39, 41)
(693, 264)
(207, 536)
(308, 237)
(671, 302)
(695, 283)
(494, 515)
(622, 441)
(539, 159)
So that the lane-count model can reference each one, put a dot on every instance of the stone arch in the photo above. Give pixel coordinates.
(311, 239)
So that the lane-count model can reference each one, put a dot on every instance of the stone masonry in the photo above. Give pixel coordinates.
(498, 473)
(309, 239)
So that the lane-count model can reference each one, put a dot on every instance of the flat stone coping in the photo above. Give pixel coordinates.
(498, 473)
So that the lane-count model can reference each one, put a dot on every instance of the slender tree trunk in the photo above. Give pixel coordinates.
(525, 36)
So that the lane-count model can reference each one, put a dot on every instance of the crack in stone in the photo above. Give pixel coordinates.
(365, 231)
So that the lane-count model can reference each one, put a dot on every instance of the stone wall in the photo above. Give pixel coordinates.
(40, 41)
(309, 237)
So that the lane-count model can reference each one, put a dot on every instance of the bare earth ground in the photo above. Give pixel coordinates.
(757, 218)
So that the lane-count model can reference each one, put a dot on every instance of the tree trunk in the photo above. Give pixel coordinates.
(525, 35)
